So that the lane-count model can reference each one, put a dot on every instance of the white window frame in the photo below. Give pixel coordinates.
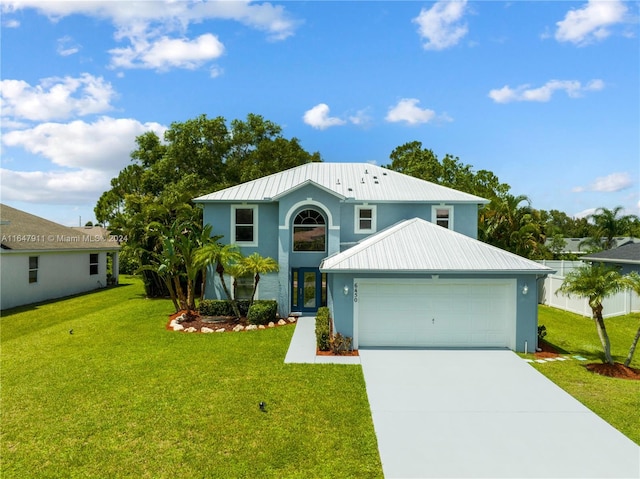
(374, 215)
(33, 269)
(255, 224)
(434, 214)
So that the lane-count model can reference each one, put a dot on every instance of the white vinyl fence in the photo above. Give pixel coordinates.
(622, 303)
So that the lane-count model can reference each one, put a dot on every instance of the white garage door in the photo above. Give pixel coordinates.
(435, 313)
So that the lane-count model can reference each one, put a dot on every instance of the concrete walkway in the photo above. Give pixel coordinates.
(302, 348)
(485, 414)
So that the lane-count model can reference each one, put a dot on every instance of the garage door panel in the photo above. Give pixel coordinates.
(463, 314)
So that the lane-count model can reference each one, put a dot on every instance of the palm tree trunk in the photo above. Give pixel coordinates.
(602, 333)
(204, 284)
(255, 288)
(172, 294)
(180, 293)
(632, 349)
(191, 300)
(234, 305)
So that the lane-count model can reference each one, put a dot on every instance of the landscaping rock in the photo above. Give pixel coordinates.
(181, 318)
(282, 322)
(221, 330)
(239, 327)
(271, 324)
(204, 329)
(251, 327)
(191, 330)
(292, 319)
(262, 326)
(177, 327)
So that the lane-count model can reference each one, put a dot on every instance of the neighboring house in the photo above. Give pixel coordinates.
(42, 260)
(626, 257)
(394, 257)
(580, 246)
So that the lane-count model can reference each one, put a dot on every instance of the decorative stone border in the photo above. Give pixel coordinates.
(176, 325)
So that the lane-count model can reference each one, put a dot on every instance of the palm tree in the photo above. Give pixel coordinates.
(609, 225)
(632, 280)
(595, 283)
(256, 265)
(222, 256)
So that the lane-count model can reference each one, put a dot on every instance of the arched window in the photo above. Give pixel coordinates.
(309, 231)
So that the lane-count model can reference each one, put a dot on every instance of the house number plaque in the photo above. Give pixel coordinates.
(355, 292)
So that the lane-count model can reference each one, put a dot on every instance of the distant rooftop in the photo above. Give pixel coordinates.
(21, 231)
(627, 254)
(356, 181)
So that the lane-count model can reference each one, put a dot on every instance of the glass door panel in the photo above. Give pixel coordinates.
(309, 287)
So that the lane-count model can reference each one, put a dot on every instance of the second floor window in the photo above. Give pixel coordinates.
(365, 219)
(442, 216)
(309, 231)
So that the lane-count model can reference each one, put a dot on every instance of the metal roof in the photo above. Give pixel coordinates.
(417, 245)
(357, 181)
(628, 254)
(21, 231)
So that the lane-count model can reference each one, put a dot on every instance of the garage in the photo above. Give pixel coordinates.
(434, 313)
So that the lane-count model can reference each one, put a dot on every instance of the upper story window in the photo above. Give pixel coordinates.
(244, 227)
(33, 269)
(309, 231)
(442, 216)
(365, 219)
(94, 261)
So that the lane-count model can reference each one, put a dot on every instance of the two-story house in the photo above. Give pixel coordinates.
(395, 258)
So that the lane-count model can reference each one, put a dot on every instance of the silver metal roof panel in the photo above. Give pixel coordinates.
(417, 245)
(360, 181)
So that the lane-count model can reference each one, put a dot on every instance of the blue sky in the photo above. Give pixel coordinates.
(544, 94)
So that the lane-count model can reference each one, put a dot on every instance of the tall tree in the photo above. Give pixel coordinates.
(608, 225)
(195, 157)
(222, 256)
(595, 282)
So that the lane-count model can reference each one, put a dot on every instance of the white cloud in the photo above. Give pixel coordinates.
(608, 184)
(361, 117)
(55, 98)
(572, 88)
(589, 23)
(441, 26)
(165, 53)
(104, 145)
(318, 117)
(11, 24)
(407, 110)
(53, 187)
(155, 31)
(67, 47)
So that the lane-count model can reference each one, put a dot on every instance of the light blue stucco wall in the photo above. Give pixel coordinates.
(342, 307)
(275, 232)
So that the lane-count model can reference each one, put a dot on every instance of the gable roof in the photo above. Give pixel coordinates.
(417, 245)
(21, 231)
(627, 254)
(357, 181)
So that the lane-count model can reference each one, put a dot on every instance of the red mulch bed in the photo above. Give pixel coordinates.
(616, 370)
(196, 321)
(353, 352)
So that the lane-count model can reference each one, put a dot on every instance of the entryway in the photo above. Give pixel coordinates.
(308, 289)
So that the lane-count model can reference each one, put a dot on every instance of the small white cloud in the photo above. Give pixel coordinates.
(215, 72)
(55, 98)
(166, 53)
(607, 184)
(407, 110)
(318, 117)
(572, 88)
(67, 47)
(103, 145)
(11, 23)
(441, 26)
(361, 117)
(585, 213)
(590, 23)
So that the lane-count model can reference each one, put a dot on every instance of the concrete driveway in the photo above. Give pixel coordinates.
(485, 414)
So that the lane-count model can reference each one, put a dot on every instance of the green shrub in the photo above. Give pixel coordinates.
(215, 307)
(340, 344)
(542, 332)
(323, 328)
(262, 312)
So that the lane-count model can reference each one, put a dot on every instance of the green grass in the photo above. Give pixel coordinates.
(123, 397)
(615, 400)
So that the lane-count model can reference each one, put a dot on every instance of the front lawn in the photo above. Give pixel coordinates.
(615, 400)
(123, 397)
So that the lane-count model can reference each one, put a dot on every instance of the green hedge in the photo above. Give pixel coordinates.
(215, 307)
(262, 312)
(323, 328)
